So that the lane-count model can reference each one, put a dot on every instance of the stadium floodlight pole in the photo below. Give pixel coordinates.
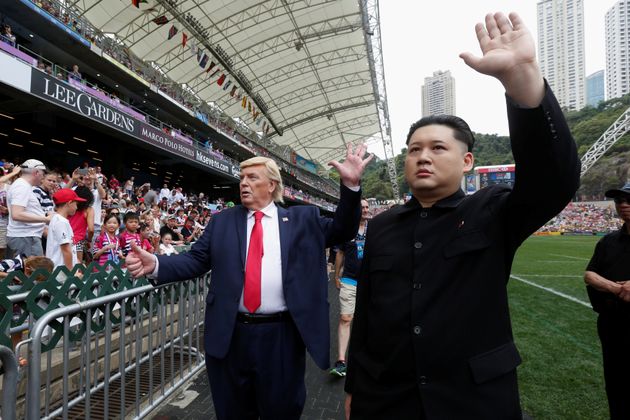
(372, 37)
(244, 84)
(616, 131)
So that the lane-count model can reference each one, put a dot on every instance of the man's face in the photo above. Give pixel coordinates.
(622, 205)
(256, 188)
(49, 183)
(435, 162)
(365, 210)
(171, 223)
(38, 177)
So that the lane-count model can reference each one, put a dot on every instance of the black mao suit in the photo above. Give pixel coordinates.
(432, 336)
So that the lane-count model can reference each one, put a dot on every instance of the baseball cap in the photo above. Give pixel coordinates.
(65, 195)
(33, 164)
(618, 192)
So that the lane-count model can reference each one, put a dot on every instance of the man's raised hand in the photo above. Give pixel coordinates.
(353, 166)
(139, 262)
(509, 54)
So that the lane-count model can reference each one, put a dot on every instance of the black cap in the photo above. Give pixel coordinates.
(619, 192)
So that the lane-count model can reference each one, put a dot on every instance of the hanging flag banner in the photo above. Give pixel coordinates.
(211, 66)
(227, 85)
(233, 90)
(204, 60)
(160, 20)
(221, 80)
(137, 2)
(244, 102)
(184, 39)
(172, 32)
(193, 48)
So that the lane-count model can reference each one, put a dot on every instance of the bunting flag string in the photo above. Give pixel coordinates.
(193, 48)
(204, 60)
(221, 80)
(244, 102)
(212, 64)
(233, 90)
(184, 39)
(172, 32)
(227, 85)
(160, 20)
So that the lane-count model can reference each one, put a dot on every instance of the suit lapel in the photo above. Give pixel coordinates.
(241, 232)
(285, 240)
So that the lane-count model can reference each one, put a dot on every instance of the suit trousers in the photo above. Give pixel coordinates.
(262, 375)
(613, 333)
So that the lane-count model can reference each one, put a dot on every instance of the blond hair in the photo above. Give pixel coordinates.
(272, 172)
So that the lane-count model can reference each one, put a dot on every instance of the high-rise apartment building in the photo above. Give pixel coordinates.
(618, 50)
(561, 49)
(438, 94)
(595, 88)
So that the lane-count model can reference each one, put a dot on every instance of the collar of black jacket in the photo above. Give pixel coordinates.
(451, 201)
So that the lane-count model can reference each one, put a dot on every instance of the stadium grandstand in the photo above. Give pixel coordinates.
(183, 91)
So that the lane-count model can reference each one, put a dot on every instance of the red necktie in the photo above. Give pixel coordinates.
(251, 294)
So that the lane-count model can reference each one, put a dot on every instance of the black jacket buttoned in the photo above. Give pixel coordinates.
(432, 313)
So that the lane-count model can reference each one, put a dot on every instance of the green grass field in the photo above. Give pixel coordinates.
(561, 375)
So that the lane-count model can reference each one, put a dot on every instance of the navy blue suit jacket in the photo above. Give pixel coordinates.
(304, 235)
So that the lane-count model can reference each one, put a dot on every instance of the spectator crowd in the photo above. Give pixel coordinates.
(584, 218)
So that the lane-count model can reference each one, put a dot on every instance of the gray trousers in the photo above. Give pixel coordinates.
(27, 245)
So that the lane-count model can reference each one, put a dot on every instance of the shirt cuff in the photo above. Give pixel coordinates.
(356, 188)
(154, 274)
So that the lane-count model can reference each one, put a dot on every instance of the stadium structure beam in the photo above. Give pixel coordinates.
(612, 134)
(334, 107)
(372, 35)
(327, 58)
(228, 67)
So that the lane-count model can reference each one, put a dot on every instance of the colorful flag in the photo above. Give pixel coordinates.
(233, 90)
(221, 80)
(172, 32)
(204, 60)
(193, 48)
(160, 20)
(211, 66)
(184, 39)
(244, 102)
(137, 2)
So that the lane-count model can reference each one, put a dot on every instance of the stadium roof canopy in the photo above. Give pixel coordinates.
(306, 65)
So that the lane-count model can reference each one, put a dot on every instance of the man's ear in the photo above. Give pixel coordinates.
(469, 161)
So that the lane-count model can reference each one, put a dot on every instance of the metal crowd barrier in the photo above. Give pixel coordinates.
(101, 346)
(9, 382)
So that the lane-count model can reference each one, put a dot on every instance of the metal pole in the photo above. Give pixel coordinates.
(9, 383)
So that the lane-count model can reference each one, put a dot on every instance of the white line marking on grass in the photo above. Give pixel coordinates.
(550, 290)
(568, 256)
(572, 276)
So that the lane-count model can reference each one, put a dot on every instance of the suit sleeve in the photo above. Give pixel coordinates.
(189, 264)
(344, 225)
(547, 166)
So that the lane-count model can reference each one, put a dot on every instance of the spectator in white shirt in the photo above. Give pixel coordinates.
(26, 216)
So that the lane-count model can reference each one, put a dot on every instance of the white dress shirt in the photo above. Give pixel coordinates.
(272, 294)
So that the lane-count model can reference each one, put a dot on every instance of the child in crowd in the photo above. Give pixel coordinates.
(132, 221)
(28, 266)
(146, 233)
(59, 244)
(107, 246)
(166, 247)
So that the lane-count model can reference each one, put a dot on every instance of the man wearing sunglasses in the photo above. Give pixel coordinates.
(607, 276)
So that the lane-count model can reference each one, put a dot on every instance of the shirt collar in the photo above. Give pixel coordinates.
(270, 211)
(451, 201)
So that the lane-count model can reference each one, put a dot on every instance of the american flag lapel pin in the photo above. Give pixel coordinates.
(461, 224)
(285, 219)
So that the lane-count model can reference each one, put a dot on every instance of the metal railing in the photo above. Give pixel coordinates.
(9, 382)
(136, 348)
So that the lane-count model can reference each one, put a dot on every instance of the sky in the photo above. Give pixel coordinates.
(421, 36)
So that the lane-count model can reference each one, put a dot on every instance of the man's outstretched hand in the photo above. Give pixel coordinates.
(139, 262)
(351, 170)
(509, 54)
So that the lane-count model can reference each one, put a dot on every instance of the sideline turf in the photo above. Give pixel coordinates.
(561, 375)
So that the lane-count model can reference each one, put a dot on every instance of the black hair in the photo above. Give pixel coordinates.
(461, 130)
(109, 216)
(130, 215)
(86, 194)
